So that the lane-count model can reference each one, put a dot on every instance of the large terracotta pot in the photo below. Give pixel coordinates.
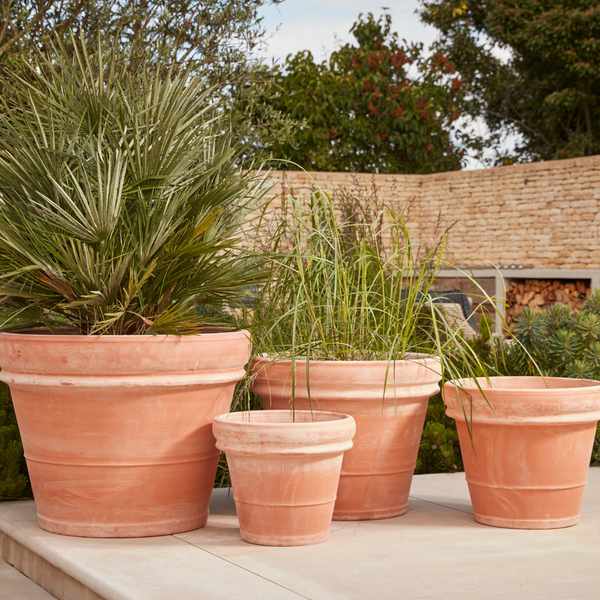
(284, 472)
(528, 461)
(377, 471)
(117, 430)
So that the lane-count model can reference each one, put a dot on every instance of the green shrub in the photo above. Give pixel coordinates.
(558, 342)
(14, 482)
(439, 451)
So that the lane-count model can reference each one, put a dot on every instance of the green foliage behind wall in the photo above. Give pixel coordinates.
(529, 67)
(378, 106)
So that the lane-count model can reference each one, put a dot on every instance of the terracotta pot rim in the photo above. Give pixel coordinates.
(273, 433)
(236, 418)
(156, 357)
(572, 385)
(80, 337)
(349, 380)
(270, 361)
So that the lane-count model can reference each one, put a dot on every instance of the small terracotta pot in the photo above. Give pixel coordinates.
(284, 472)
(117, 430)
(378, 470)
(528, 463)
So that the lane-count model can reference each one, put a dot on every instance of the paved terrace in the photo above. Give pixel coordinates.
(435, 551)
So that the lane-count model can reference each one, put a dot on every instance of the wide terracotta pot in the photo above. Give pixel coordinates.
(532, 440)
(284, 471)
(377, 472)
(117, 430)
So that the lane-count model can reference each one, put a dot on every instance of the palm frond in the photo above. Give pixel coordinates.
(120, 201)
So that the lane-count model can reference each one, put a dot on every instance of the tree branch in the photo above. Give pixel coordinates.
(34, 21)
(5, 25)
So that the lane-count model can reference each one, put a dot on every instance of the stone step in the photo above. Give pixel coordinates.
(435, 551)
(15, 586)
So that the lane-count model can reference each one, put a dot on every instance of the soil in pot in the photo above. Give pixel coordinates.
(388, 402)
(532, 440)
(285, 470)
(117, 430)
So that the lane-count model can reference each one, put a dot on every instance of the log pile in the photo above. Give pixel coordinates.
(540, 293)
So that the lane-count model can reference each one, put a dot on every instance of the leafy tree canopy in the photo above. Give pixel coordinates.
(377, 106)
(216, 39)
(549, 89)
(211, 34)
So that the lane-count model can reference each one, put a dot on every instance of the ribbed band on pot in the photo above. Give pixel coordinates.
(523, 400)
(286, 433)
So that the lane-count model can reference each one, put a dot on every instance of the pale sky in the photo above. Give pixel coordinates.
(323, 25)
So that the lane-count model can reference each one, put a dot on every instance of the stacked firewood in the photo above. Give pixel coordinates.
(539, 293)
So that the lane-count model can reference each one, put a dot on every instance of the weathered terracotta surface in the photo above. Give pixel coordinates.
(117, 430)
(285, 471)
(528, 464)
(377, 471)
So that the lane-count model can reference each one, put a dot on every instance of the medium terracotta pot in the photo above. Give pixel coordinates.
(284, 472)
(377, 471)
(528, 463)
(117, 430)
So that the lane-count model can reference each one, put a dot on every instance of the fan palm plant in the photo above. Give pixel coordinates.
(120, 213)
(121, 202)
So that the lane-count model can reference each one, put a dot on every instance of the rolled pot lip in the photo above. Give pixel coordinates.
(34, 335)
(235, 419)
(270, 361)
(576, 384)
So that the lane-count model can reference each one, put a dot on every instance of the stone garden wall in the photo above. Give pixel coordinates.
(541, 215)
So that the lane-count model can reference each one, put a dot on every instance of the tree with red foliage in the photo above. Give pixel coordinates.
(377, 106)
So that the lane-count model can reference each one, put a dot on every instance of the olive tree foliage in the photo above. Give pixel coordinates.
(214, 39)
(547, 90)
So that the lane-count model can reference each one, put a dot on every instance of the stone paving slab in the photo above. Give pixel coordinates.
(15, 586)
(435, 551)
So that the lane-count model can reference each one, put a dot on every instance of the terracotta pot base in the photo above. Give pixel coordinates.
(526, 507)
(67, 497)
(381, 496)
(117, 530)
(512, 524)
(297, 519)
